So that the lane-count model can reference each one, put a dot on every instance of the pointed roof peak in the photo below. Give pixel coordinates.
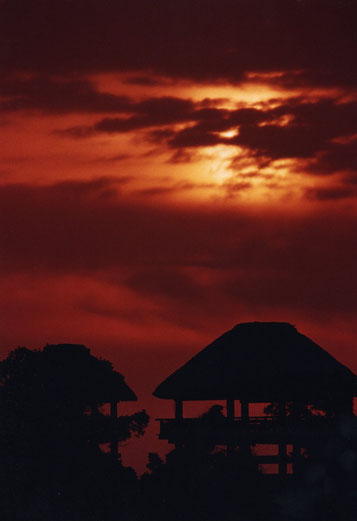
(255, 328)
(259, 361)
(258, 324)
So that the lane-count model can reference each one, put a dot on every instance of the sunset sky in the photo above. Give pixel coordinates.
(170, 168)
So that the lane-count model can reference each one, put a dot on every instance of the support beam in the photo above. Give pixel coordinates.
(230, 408)
(230, 416)
(283, 469)
(95, 409)
(178, 409)
(178, 417)
(296, 458)
(282, 444)
(244, 410)
(282, 412)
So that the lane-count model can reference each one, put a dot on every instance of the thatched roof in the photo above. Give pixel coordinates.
(81, 369)
(261, 362)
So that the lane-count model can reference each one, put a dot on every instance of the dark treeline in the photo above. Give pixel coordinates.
(53, 468)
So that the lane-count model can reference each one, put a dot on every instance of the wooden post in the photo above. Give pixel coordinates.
(244, 410)
(114, 442)
(244, 407)
(296, 457)
(95, 409)
(178, 417)
(178, 410)
(282, 412)
(230, 408)
(296, 447)
(282, 444)
(230, 416)
(282, 460)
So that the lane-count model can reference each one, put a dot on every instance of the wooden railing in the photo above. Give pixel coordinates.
(255, 429)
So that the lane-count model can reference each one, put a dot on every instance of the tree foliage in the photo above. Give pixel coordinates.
(51, 427)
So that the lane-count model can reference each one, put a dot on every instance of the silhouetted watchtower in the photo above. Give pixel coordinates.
(260, 362)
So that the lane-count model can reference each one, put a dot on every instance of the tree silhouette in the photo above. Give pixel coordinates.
(199, 481)
(303, 410)
(51, 428)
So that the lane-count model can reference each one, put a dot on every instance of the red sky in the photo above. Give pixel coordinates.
(169, 169)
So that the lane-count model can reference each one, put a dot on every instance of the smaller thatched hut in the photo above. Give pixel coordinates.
(93, 381)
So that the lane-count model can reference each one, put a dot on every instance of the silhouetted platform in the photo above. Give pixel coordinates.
(260, 362)
(257, 430)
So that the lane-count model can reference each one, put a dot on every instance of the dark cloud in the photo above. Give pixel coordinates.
(163, 111)
(338, 157)
(249, 116)
(322, 130)
(309, 132)
(58, 96)
(149, 113)
(336, 75)
(172, 189)
(76, 132)
(85, 227)
(197, 39)
(143, 81)
(331, 117)
(280, 142)
(237, 186)
(194, 137)
(182, 156)
(311, 127)
(328, 118)
(168, 283)
(118, 157)
(331, 193)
